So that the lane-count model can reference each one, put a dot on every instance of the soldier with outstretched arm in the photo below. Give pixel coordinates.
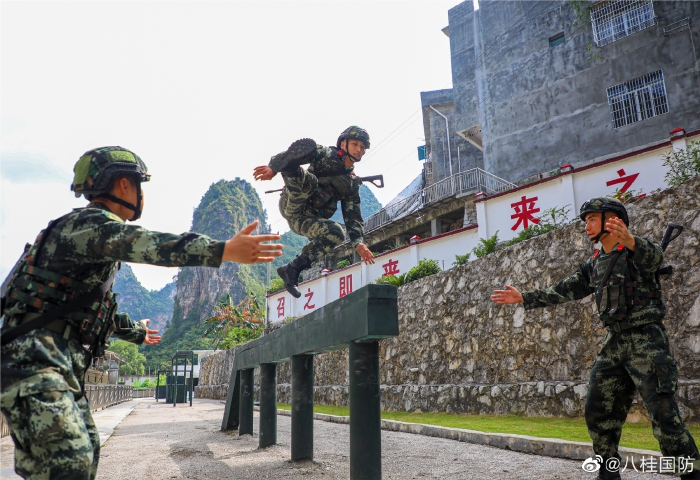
(310, 198)
(635, 352)
(59, 311)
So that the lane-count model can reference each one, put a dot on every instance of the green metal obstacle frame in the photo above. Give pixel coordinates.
(357, 322)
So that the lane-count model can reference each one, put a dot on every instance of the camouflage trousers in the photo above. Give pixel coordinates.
(323, 234)
(42, 399)
(639, 360)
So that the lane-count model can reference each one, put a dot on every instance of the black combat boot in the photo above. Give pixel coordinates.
(694, 475)
(299, 153)
(290, 274)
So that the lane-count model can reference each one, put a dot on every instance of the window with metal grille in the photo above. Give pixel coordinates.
(615, 19)
(641, 98)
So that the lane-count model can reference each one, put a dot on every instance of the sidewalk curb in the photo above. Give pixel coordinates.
(550, 447)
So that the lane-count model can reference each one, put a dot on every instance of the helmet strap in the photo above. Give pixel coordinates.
(603, 231)
(135, 208)
(348, 153)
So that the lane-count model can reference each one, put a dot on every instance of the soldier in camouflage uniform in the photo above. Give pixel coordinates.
(310, 197)
(635, 353)
(59, 311)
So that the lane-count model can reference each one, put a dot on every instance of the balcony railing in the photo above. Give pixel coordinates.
(100, 396)
(473, 180)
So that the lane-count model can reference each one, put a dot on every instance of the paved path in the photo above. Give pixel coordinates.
(106, 420)
(159, 441)
(152, 440)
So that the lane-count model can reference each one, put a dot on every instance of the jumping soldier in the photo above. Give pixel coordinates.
(59, 310)
(310, 197)
(635, 352)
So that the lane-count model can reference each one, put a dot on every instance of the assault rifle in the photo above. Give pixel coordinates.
(371, 179)
(672, 232)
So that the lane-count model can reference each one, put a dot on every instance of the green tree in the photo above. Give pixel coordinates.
(129, 352)
(237, 323)
(683, 164)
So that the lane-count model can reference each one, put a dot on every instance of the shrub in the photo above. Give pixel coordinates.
(276, 284)
(394, 280)
(461, 259)
(683, 164)
(486, 246)
(343, 263)
(425, 268)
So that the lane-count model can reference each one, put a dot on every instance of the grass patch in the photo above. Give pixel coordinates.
(634, 435)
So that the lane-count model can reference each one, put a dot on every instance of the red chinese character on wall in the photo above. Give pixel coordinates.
(309, 294)
(280, 307)
(345, 285)
(391, 268)
(523, 212)
(626, 180)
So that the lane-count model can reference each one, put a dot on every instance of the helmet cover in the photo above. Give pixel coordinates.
(97, 169)
(354, 132)
(604, 204)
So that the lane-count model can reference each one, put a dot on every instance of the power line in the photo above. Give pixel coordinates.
(389, 138)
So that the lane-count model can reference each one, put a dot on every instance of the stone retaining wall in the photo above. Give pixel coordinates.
(459, 352)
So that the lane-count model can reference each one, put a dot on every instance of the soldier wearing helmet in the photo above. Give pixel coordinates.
(310, 198)
(59, 310)
(635, 355)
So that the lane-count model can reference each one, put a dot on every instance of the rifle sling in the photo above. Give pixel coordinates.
(608, 270)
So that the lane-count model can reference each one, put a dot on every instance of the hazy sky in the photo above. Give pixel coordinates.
(203, 91)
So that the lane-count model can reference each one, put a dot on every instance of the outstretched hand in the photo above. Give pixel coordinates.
(263, 172)
(618, 231)
(508, 296)
(246, 248)
(365, 253)
(151, 337)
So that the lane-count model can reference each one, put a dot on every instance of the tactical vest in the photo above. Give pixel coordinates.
(40, 291)
(620, 294)
(339, 187)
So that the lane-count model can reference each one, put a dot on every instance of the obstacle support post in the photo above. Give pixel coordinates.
(302, 407)
(246, 408)
(365, 420)
(268, 405)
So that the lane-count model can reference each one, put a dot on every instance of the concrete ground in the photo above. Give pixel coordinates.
(159, 441)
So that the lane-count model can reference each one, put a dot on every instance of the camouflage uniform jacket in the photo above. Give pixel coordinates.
(340, 188)
(642, 263)
(87, 243)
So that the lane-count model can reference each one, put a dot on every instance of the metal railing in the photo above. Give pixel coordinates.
(100, 396)
(144, 392)
(474, 180)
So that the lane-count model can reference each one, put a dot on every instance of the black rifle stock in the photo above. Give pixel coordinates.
(672, 232)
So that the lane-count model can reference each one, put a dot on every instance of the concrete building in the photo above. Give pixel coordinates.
(529, 96)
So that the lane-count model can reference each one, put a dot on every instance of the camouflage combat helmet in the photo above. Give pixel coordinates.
(356, 133)
(605, 204)
(97, 169)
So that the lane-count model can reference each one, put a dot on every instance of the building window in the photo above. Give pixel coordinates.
(615, 19)
(641, 98)
(557, 39)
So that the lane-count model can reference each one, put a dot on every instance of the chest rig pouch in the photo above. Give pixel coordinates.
(323, 195)
(90, 309)
(617, 293)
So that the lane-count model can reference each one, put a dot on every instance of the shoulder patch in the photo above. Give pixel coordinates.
(112, 216)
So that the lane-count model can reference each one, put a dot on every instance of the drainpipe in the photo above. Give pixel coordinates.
(447, 134)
